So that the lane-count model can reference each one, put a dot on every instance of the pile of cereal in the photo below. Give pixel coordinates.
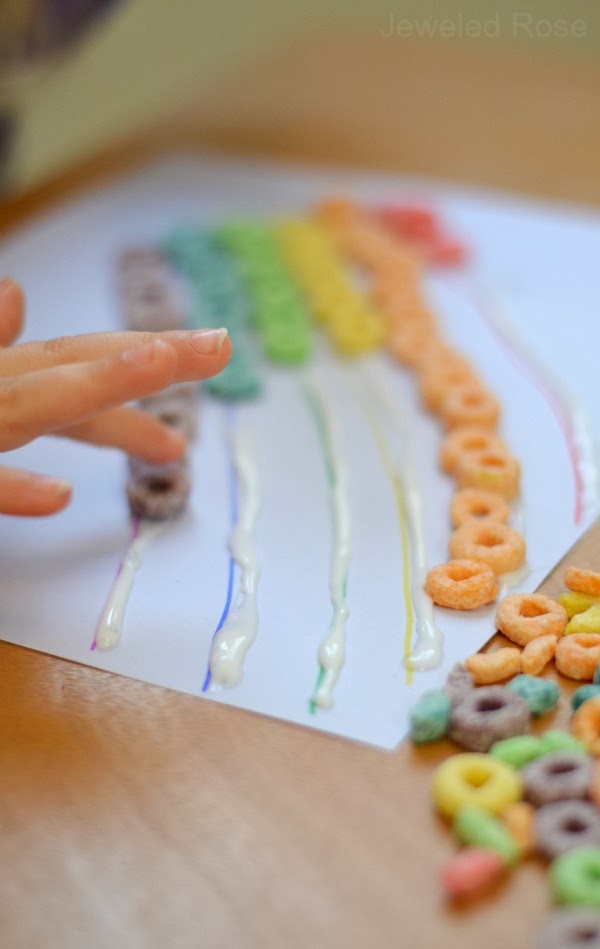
(510, 793)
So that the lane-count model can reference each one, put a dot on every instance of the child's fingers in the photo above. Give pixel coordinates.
(11, 311)
(50, 400)
(31, 495)
(134, 432)
(200, 353)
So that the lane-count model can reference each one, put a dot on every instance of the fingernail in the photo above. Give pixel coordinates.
(59, 485)
(208, 342)
(143, 355)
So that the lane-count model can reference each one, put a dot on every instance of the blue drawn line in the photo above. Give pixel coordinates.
(233, 503)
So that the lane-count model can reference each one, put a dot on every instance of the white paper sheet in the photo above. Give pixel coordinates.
(534, 280)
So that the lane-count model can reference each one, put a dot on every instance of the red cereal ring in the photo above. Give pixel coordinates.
(582, 581)
(461, 584)
(523, 617)
(470, 404)
(501, 547)
(577, 656)
(495, 471)
(463, 440)
(471, 505)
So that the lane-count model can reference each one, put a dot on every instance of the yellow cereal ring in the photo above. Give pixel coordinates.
(490, 470)
(576, 602)
(475, 780)
(466, 439)
(498, 545)
(470, 404)
(586, 622)
(520, 821)
(585, 724)
(461, 584)
(578, 655)
(471, 505)
(489, 667)
(537, 654)
(582, 581)
(523, 617)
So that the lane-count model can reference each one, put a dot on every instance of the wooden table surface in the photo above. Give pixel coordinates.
(136, 817)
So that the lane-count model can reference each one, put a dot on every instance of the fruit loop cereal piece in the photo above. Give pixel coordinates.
(471, 872)
(517, 751)
(585, 724)
(473, 506)
(466, 439)
(520, 821)
(564, 825)
(406, 343)
(560, 741)
(578, 655)
(470, 404)
(489, 667)
(582, 581)
(180, 415)
(541, 695)
(575, 878)
(537, 654)
(523, 617)
(474, 780)
(570, 929)
(582, 694)
(576, 602)
(487, 715)
(559, 776)
(459, 682)
(430, 716)
(158, 492)
(586, 622)
(499, 546)
(479, 828)
(595, 785)
(439, 379)
(461, 584)
(495, 471)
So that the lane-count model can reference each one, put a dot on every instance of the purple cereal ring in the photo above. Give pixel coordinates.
(158, 492)
(458, 683)
(572, 928)
(180, 414)
(564, 825)
(559, 776)
(486, 715)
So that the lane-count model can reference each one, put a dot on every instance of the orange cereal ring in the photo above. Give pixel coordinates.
(577, 656)
(537, 654)
(461, 584)
(495, 471)
(439, 379)
(465, 439)
(489, 667)
(498, 545)
(523, 617)
(470, 404)
(337, 212)
(585, 724)
(582, 581)
(471, 505)
(406, 343)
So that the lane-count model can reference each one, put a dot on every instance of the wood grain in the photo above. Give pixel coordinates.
(136, 817)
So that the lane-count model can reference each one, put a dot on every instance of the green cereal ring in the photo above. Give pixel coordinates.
(575, 877)
(482, 830)
(582, 694)
(541, 695)
(429, 717)
(560, 741)
(517, 751)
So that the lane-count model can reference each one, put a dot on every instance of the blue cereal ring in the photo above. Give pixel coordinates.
(541, 695)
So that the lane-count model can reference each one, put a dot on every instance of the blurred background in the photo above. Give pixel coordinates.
(476, 91)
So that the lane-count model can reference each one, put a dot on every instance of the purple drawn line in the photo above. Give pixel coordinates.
(233, 490)
(535, 375)
(135, 529)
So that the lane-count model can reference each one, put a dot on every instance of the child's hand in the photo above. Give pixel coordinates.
(76, 386)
